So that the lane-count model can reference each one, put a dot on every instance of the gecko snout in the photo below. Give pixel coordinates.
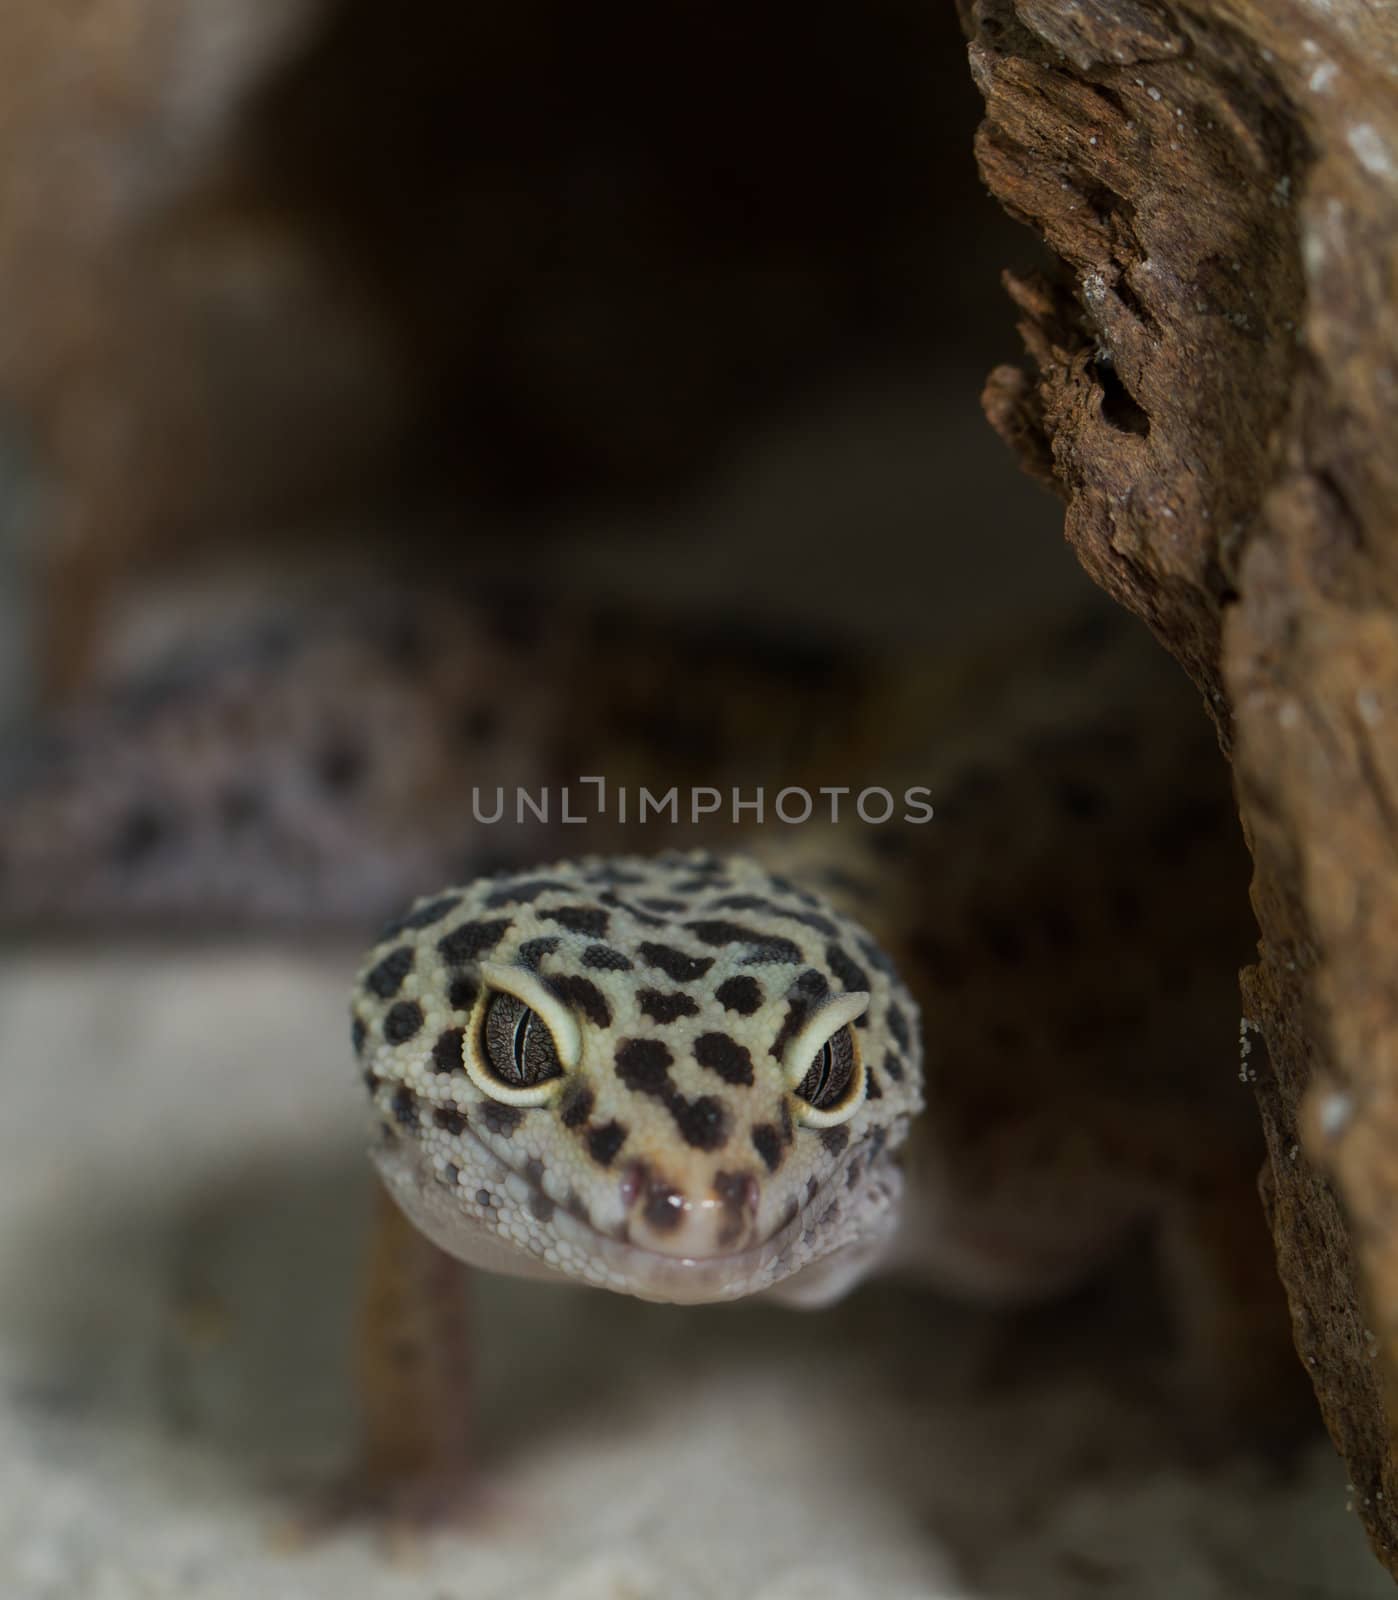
(713, 1215)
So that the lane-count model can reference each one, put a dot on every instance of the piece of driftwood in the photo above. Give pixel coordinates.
(1212, 387)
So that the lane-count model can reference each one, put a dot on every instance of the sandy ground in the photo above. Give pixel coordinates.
(183, 1199)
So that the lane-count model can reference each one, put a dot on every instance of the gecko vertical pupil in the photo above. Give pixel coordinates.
(518, 1044)
(827, 1084)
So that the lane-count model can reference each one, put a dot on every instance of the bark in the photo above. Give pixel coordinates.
(1211, 384)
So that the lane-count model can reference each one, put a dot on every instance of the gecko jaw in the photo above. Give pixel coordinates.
(511, 1239)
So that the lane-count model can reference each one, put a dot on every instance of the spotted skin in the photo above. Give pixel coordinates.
(672, 1161)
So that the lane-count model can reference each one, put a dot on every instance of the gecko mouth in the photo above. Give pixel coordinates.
(508, 1237)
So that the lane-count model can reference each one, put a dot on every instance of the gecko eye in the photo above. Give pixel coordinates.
(517, 1045)
(834, 1083)
(512, 1056)
(824, 1064)
(522, 1039)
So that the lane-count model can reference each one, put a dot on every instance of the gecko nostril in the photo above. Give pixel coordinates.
(665, 1207)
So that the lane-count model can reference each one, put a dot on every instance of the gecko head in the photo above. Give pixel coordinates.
(678, 1077)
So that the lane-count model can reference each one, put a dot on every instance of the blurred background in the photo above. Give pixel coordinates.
(683, 306)
(636, 299)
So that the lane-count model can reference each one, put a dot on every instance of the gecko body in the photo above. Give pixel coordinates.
(988, 1052)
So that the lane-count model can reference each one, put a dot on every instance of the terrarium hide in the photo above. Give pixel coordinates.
(1212, 387)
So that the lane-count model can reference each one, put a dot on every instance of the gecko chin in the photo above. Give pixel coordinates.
(669, 1247)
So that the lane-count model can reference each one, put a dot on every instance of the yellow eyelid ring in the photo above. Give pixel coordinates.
(530, 990)
(821, 1027)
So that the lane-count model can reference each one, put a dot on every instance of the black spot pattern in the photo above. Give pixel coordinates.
(893, 1066)
(768, 1144)
(658, 903)
(404, 1107)
(502, 1120)
(591, 920)
(402, 1022)
(898, 1026)
(432, 912)
(462, 994)
(533, 951)
(575, 1104)
(385, 978)
(446, 1053)
(521, 893)
(675, 964)
(703, 1123)
(835, 1139)
(450, 1119)
(602, 958)
(585, 995)
(725, 1056)
(754, 902)
(645, 918)
(471, 940)
(358, 1033)
(643, 1065)
(773, 951)
(609, 872)
(666, 1008)
(872, 1088)
(875, 957)
(849, 972)
(743, 995)
(747, 902)
(812, 985)
(763, 947)
(603, 1143)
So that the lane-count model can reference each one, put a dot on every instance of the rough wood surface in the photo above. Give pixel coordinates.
(1212, 385)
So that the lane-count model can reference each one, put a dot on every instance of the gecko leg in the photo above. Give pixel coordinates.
(412, 1374)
